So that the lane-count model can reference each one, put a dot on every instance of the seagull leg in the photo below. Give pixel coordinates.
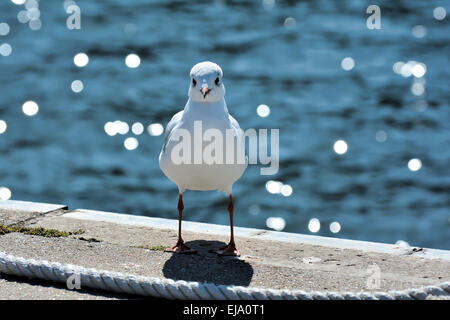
(180, 247)
(230, 249)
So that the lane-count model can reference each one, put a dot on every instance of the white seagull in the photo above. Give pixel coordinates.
(206, 103)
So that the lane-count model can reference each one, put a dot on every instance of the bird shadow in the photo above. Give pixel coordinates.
(206, 266)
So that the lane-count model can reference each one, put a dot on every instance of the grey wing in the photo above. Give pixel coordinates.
(172, 123)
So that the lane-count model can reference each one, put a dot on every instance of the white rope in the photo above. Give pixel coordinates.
(170, 289)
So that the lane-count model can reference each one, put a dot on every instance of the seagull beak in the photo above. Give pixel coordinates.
(205, 90)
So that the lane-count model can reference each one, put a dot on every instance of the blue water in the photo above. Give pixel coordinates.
(63, 155)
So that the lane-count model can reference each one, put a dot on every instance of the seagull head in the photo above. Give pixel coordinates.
(206, 83)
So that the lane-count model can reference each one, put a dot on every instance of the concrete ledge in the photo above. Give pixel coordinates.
(270, 259)
(23, 206)
(208, 228)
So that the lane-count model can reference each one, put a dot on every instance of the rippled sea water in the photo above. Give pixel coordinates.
(63, 155)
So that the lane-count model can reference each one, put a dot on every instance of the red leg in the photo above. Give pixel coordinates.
(230, 249)
(180, 247)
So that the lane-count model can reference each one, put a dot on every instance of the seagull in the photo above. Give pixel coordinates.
(206, 105)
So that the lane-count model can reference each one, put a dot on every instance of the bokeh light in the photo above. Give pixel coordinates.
(30, 108)
(419, 70)
(340, 147)
(4, 29)
(132, 61)
(417, 89)
(276, 223)
(31, 4)
(348, 63)
(335, 227)
(137, 128)
(419, 31)
(5, 193)
(77, 86)
(286, 190)
(3, 126)
(439, 13)
(381, 136)
(121, 127)
(273, 187)
(18, 2)
(263, 110)
(314, 225)
(254, 209)
(110, 128)
(290, 23)
(268, 4)
(22, 16)
(155, 129)
(35, 24)
(414, 164)
(81, 59)
(131, 143)
(5, 49)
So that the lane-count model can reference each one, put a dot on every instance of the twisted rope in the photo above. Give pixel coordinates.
(170, 289)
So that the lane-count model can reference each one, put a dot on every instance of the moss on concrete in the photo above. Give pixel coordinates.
(154, 248)
(77, 232)
(43, 232)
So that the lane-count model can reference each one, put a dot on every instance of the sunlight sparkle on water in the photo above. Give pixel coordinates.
(381, 136)
(131, 143)
(132, 61)
(314, 225)
(419, 31)
(81, 59)
(122, 127)
(77, 86)
(414, 164)
(417, 89)
(276, 223)
(22, 16)
(439, 13)
(35, 24)
(277, 187)
(263, 110)
(5, 49)
(273, 187)
(110, 128)
(289, 23)
(419, 70)
(335, 227)
(155, 129)
(348, 63)
(5, 193)
(137, 128)
(30, 108)
(340, 147)
(286, 190)
(3, 126)
(4, 29)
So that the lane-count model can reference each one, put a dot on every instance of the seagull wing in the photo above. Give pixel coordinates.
(172, 123)
(233, 122)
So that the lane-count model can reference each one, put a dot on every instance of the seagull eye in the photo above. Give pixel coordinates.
(194, 82)
(217, 81)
